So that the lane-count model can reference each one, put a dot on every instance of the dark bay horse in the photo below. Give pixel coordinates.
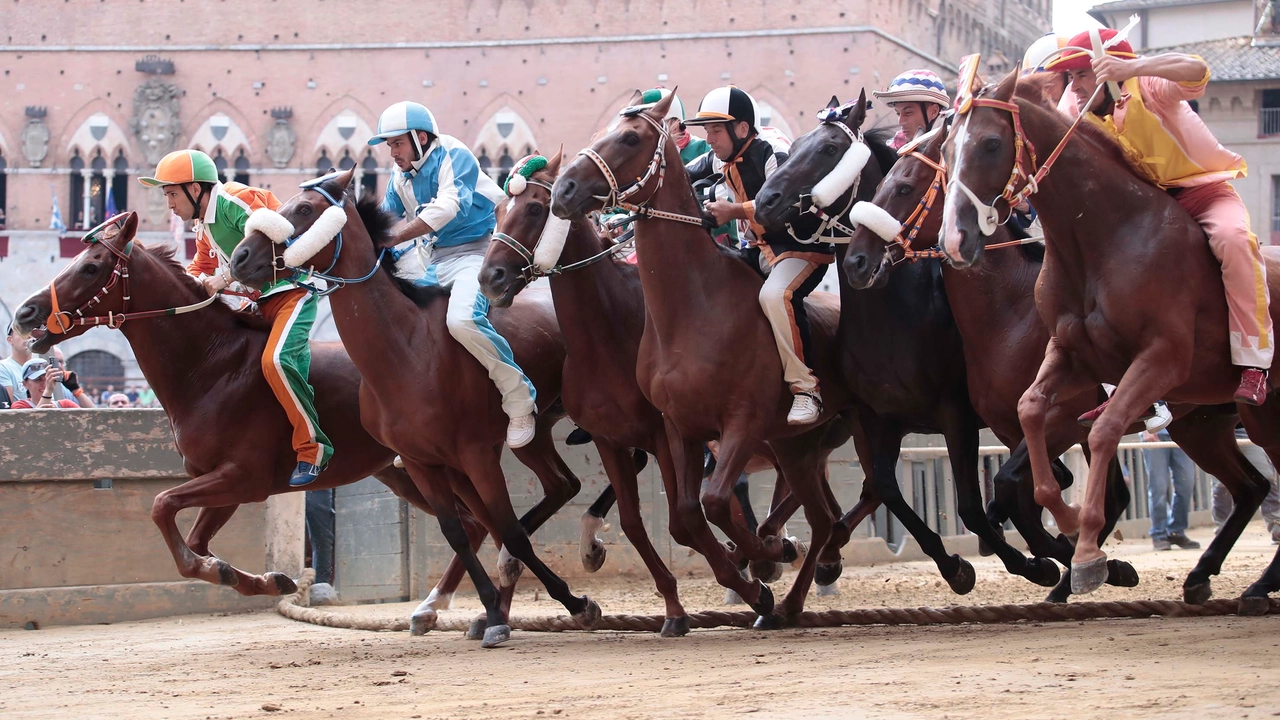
(706, 357)
(1129, 290)
(1004, 341)
(204, 367)
(423, 394)
(901, 354)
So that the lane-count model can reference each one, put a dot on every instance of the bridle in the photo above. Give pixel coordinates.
(830, 222)
(305, 278)
(917, 217)
(620, 196)
(61, 321)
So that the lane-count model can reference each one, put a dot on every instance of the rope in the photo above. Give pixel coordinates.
(983, 614)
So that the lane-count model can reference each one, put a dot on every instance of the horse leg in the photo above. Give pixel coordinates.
(1057, 380)
(1147, 378)
(733, 457)
(687, 460)
(483, 468)
(800, 460)
(436, 485)
(590, 547)
(1263, 425)
(782, 507)
(209, 520)
(225, 486)
(830, 562)
(742, 493)
(620, 467)
(559, 486)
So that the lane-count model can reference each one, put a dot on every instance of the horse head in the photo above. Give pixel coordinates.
(297, 237)
(907, 196)
(93, 285)
(529, 226)
(824, 166)
(981, 154)
(632, 147)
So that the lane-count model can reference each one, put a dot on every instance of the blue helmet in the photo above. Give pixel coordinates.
(402, 118)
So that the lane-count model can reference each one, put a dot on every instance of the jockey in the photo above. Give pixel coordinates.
(220, 211)
(918, 97)
(449, 204)
(1034, 59)
(1172, 147)
(729, 117)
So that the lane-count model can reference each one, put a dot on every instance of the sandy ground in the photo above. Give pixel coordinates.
(262, 665)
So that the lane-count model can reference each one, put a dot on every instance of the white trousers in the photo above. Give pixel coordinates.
(776, 296)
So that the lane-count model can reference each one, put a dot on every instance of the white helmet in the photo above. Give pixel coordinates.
(1033, 60)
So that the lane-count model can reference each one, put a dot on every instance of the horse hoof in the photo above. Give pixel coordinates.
(423, 622)
(769, 622)
(984, 549)
(476, 631)
(802, 551)
(825, 574)
(1088, 576)
(731, 597)
(495, 636)
(1121, 574)
(789, 550)
(962, 582)
(509, 569)
(284, 584)
(766, 571)
(828, 590)
(323, 594)
(588, 619)
(593, 558)
(1197, 594)
(764, 606)
(1062, 592)
(675, 627)
(1043, 572)
(1254, 605)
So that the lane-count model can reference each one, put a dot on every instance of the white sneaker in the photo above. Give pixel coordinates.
(521, 430)
(805, 409)
(1160, 420)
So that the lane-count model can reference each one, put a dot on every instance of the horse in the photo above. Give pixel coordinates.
(706, 357)
(437, 407)
(909, 378)
(204, 367)
(1148, 320)
(994, 309)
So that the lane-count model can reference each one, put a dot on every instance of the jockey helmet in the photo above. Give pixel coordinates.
(1082, 59)
(650, 98)
(181, 167)
(922, 86)
(726, 104)
(1033, 60)
(405, 117)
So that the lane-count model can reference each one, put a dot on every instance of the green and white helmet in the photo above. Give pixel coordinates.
(649, 98)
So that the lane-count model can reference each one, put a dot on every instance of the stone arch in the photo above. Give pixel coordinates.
(107, 341)
(774, 111)
(324, 133)
(98, 134)
(222, 124)
(504, 137)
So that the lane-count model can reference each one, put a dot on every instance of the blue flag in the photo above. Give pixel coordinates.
(111, 205)
(55, 219)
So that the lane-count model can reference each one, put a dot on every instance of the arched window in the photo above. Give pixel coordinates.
(369, 176)
(75, 199)
(97, 368)
(97, 191)
(4, 170)
(347, 162)
(120, 182)
(324, 164)
(242, 168)
(505, 163)
(486, 165)
(220, 164)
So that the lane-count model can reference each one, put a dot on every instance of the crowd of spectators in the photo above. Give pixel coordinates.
(26, 379)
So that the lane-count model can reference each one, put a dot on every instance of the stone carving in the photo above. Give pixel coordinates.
(281, 138)
(35, 136)
(155, 120)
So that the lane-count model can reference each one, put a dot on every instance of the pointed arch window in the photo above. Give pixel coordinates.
(369, 175)
(505, 164)
(242, 168)
(220, 164)
(75, 198)
(120, 182)
(324, 164)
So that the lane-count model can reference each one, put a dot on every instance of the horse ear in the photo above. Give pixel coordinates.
(636, 98)
(833, 103)
(553, 162)
(344, 178)
(130, 227)
(1004, 92)
(660, 108)
(858, 113)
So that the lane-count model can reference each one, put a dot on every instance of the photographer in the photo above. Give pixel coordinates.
(39, 379)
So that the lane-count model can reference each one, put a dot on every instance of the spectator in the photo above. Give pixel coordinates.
(11, 367)
(1169, 516)
(105, 397)
(132, 394)
(321, 521)
(147, 398)
(119, 400)
(39, 379)
(1223, 503)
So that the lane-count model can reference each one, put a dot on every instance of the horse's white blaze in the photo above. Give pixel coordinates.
(551, 243)
(842, 176)
(876, 219)
(951, 204)
(320, 234)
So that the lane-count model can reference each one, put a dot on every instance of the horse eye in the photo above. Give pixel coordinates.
(828, 149)
(304, 210)
(89, 270)
(631, 138)
(535, 210)
(904, 190)
(991, 144)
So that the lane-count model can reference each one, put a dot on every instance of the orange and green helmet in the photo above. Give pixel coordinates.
(183, 166)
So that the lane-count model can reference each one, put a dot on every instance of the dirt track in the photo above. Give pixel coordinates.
(234, 666)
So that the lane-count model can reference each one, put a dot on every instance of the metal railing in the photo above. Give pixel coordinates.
(1268, 122)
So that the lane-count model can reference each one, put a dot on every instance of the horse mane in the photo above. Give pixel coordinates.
(164, 254)
(878, 140)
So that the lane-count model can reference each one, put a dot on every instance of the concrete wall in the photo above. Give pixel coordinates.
(1231, 110)
(1163, 27)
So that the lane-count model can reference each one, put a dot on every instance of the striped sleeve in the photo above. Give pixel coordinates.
(391, 199)
(454, 186)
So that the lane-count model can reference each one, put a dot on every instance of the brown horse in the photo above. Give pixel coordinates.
(706, 358)
(233, 437)
(1129, 291)
(422, 393)
(994, 309)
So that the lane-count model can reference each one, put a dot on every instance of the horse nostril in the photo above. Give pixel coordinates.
(25, 314)
(859, 262)
(568, 188)
(768, 199)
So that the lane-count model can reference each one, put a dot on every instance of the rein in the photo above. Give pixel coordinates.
(61, 321)
(305, 278)
(830, 222)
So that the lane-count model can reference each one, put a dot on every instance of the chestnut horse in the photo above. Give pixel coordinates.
(422, 393)
(707, 357)
(994, 309)
(204, 367)
(1129, 291)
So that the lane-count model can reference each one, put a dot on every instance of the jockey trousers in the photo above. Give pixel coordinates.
(1222, 214)
(782, 299)
(468, 321)
(286, 363)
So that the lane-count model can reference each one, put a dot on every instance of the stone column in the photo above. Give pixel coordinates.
(286, 533)
(109, 182)
(87, 199)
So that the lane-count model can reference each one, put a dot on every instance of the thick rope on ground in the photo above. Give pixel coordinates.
(1037, 612)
